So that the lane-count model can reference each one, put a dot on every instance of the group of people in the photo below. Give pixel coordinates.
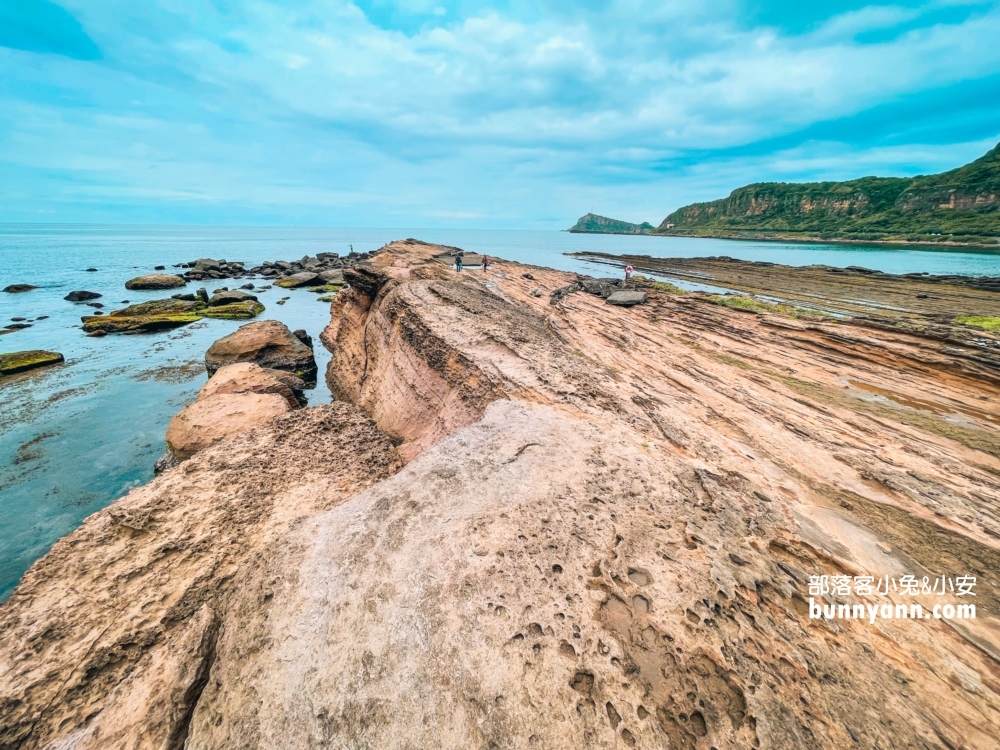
(484, 259)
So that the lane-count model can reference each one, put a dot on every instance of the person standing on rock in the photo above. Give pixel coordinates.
(486, 262)
(628, 272)
(458, 261)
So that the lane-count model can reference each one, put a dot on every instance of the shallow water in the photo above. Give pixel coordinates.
(76, 436)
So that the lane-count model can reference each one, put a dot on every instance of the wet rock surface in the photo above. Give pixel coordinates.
(28, 360)
(19, 288)
(180, 310)
(81, 296)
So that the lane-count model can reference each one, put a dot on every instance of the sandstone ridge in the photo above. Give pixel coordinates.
(540, 521)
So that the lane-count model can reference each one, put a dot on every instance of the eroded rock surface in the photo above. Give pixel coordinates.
(268, 343)
(603, 537)
(96, 620)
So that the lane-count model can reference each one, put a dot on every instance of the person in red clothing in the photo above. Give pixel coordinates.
(628, 272)
(486, 261)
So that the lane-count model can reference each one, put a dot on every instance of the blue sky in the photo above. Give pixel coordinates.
(458, 113)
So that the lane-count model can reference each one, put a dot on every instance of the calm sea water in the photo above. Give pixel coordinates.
(75, 437)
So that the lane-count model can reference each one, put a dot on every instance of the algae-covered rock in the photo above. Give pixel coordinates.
(124, 324)
(156, 281)
(159, 314)
(21, 361)
(18, 288)
(244, 310)
(306, 278)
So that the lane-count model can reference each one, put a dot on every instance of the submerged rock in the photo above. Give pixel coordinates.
(268, 343)
(156, 281)
(18, 288)
(81, 296)
(29, 360)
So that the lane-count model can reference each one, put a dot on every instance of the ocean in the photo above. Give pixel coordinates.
(76, 436)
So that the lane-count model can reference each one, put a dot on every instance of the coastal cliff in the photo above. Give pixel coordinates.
(959, 206)
(535, 519)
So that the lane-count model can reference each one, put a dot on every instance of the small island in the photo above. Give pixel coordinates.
(594, 224)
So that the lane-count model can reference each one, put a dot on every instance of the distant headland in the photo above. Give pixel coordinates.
(959, 207)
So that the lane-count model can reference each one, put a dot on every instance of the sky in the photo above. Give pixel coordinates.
(465, 114)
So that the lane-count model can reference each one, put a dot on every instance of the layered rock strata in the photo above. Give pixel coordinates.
(603, 537)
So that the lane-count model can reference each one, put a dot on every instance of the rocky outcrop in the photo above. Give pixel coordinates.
(123, 607)
(603, 537)
(81, 296)
(209, 420)
(235, 399)
(30, 360)
(156, 281)
(626, 298)
(306, 278)
(246, 377)
(19, 288)
(159, 314)
(267, 343)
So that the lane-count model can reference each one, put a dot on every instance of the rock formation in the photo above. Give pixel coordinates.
(21, 361)
(170, 313)
(156, 281)
(603, 536)
(267, 343)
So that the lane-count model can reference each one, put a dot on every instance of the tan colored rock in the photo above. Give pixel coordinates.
(210, 420)
(151, 709)
(114, 609)
(603, 537)
(246, 377)
(268, 343)
(156, 281)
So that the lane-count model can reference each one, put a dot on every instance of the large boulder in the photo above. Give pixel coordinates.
(209, 420)
(18, 288)
(244, 310)
(81, 296)
(246, 377)
(228, 297)
(268, 343)
(146, 316)
(21, 361)
(156, 281)
(306, 278)
(207, 264)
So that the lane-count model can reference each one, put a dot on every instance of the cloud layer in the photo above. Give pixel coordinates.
(428, 113)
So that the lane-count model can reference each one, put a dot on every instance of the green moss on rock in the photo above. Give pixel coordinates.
(235, 310)
(21, 361)
(986, 322)
(139, 324)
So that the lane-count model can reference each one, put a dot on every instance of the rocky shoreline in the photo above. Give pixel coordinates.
(534, 519)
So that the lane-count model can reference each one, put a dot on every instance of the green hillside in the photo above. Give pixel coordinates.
(962, 205)
(603, 225)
